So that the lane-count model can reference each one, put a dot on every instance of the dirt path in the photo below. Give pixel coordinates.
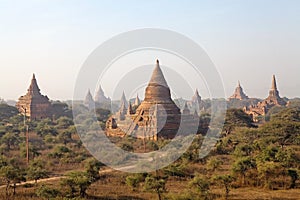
(59, 177)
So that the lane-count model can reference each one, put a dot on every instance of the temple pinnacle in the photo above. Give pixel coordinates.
(274, 85)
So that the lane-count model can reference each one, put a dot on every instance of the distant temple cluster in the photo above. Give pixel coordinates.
(262, 107)
(100, 100)
(154, 117)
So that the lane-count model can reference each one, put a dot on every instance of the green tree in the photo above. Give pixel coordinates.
(267, 170)
(11, 175)
(36, 170)
(46, 192)
(202, 185)
(242, 165)
(7, 111)
(225, 181)
(236, 118)
(65, 137)
(77, 182)
(156, 184)
(92, 168)
(64, 122)
(133, 181)
(213, 164)
(10, 140)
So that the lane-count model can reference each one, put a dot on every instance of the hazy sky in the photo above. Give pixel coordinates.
(247, 40)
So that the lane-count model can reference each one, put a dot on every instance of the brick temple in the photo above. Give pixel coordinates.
(264, 106)
(33, 104)
(157, 116)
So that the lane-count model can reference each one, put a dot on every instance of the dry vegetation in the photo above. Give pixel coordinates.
(253, 162)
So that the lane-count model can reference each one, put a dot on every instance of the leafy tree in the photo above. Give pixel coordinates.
(288, 115)
(45, 127)
(33, 150)
(77, 182)
(36, 170)
(46, 192)
(178, 170)
(64, 122)
(7, 111)
(202, 185)
(236, 118)
(224, 180)
(13, 175)
(213, 164)
(10, 140)
(156, 184)
(133, 181)
(65, 137)
(59, 151)
(267, 170)
(92, 168)
(242, 165)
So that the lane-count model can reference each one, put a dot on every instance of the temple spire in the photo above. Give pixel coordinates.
(196, 98)
(33, 88)
(129, 109)
(157, 76)
(274, 85)
(137, 101)
(186, 110)
(123, 100)
(239, 84)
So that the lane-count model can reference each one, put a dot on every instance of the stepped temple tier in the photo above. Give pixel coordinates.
(157, 116)
(33, 104)
(239, 93)
(264, 106)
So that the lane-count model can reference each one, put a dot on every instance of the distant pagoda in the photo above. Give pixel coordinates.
(100, 97)
(89, 101)
(264, 106)
(239, 93)
(33, 104)
(274, 98)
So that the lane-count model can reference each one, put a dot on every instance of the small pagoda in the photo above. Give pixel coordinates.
(239, 93)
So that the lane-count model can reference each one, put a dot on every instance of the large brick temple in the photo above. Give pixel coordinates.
(156, 117)
(33, 104)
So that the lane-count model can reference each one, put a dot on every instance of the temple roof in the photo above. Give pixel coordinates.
(239, 93)
(123, 100)
(274, 85)
(157, 76)
(196, 97)
(34, 88)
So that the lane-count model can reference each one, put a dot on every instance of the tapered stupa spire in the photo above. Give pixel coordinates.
(33, 88)
(137, 101)
(123, 100)
(157, 77)
(157, 89)
(196, 97)
(274, 85)
(129, 109)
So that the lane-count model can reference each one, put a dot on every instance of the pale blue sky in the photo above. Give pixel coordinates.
(247, 40)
